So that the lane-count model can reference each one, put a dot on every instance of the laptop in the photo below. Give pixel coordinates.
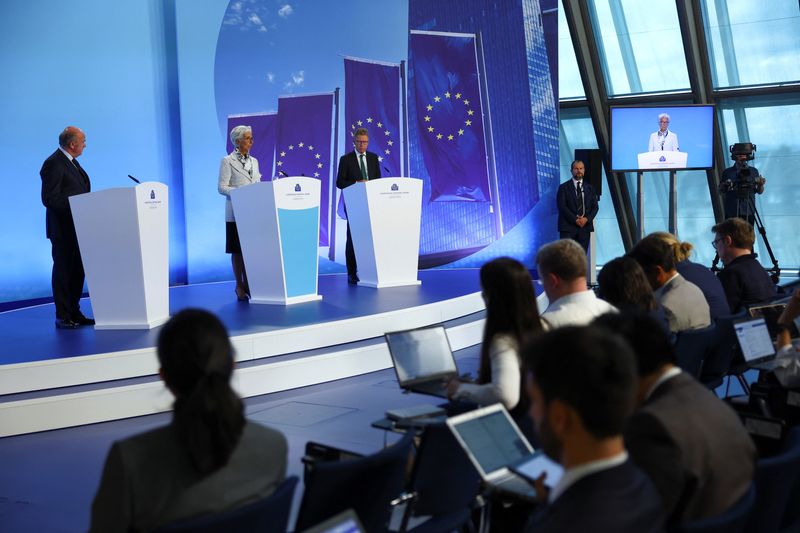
(423, 360)
(771, 313)
(498, 450)
(756, 343)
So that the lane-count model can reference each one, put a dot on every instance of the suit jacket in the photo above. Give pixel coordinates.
(684, 305)
(148, 480)
(567, 202)
(232, 175)
(693, 447)
(60, 180)
(745, 282)
(708, 284)
(350, 171)
(620, 500)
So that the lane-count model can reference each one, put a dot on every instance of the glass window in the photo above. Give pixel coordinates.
(640, 46)
(577, 133)
(752, 44)
(569, 78)
(777, 159)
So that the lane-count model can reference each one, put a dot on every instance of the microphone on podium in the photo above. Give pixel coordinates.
(283, 174)
(134, 179)
(385, 169)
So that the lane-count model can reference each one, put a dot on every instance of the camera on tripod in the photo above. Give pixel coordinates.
(743, 184)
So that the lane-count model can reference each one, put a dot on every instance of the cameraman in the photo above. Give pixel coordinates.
(740, 183)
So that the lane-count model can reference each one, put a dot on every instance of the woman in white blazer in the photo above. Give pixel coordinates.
(237, 169)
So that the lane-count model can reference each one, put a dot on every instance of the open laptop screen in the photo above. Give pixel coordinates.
(421, 353)
(771, 313)
(754, 339)
(491, 439)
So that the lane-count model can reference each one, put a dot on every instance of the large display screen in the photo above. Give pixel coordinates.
(666, 137)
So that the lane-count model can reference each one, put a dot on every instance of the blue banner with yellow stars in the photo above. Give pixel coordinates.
(449, 121)
(303, 145)
(372, 101)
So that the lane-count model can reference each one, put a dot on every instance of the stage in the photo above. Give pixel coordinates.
(51, 378)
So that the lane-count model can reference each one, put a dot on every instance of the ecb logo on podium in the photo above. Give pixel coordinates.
(395, 187)
(152, 194)
(297, 188)
(662, 159)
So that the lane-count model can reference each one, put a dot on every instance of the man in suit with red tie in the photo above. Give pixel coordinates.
(355, 166)
(62, 177)
(577, 207)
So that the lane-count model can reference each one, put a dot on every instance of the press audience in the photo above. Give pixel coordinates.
(698, 274)
(744, 279)
(622, 283)
(683, 301)
(562, 271)
(689, 442)
(581, 383)
(511, 319)
(208, 459)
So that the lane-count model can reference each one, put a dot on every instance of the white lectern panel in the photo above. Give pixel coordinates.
(662, 160)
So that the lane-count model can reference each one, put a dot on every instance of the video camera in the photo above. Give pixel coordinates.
(746, 149)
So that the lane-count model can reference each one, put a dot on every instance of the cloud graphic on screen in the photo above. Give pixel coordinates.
(271, 77)
(298, 79)
(285, 11)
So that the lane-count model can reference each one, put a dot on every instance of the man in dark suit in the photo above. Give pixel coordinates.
(62, 177)
(581, 382)
(689, 442)
(355, 166)
(577, 207)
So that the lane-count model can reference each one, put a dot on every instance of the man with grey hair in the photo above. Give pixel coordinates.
(562, 271)
(63, 177)
(663, 139)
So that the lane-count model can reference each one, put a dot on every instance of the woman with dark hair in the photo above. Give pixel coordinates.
(209, 459)
(623, 283)
(512, 318)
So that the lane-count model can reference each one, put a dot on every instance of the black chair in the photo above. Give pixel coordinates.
(718, 361)
(733, 520)
(367, 485)
(268, 515)
(692, 346)
(443, 485)
(776, 477)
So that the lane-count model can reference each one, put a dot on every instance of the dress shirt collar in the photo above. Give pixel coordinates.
(669, 374)
(575, 183)
(69, 156)
(659, 291)
(576, 473)
(663, 133)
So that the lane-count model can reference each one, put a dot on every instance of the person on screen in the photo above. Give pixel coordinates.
(237, 169)
(691, 444)
(740, 183)
(577, 207)
(356, 166)
(581, 381)
(208, 459)
(62, 177)
(663, 139)
(511, 319)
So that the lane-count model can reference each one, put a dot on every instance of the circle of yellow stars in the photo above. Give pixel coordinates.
(301, 146)
(449, 135)
(368, 123)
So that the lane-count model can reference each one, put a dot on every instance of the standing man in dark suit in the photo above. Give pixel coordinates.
(62, 177)
(355, 166)
(581, 383)
(577, 207)
(690, 443)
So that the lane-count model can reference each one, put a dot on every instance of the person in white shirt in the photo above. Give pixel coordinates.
(562, 271)
(663, 139)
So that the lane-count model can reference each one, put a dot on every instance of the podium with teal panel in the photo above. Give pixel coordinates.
(278, 224)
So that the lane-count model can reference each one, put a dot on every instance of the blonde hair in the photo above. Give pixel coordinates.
(681, 250)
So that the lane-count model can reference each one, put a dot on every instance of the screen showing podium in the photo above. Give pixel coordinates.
(124, 241)
(278, 225)
(384, 218)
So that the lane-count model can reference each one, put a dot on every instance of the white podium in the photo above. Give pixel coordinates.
(278, 225)
(662, 160)
(384, 218)
(124, 242)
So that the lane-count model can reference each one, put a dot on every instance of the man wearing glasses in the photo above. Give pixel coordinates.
(358, 165)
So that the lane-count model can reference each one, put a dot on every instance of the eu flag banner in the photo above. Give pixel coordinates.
(303, 146)
(446, 88)
(372, 101)
(263, 126)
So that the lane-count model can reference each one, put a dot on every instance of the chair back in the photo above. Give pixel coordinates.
(443, 479)
(267, 515)
(367, 485)
(733, 520)
(718, 360)
(692, 346)
(775, 479)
